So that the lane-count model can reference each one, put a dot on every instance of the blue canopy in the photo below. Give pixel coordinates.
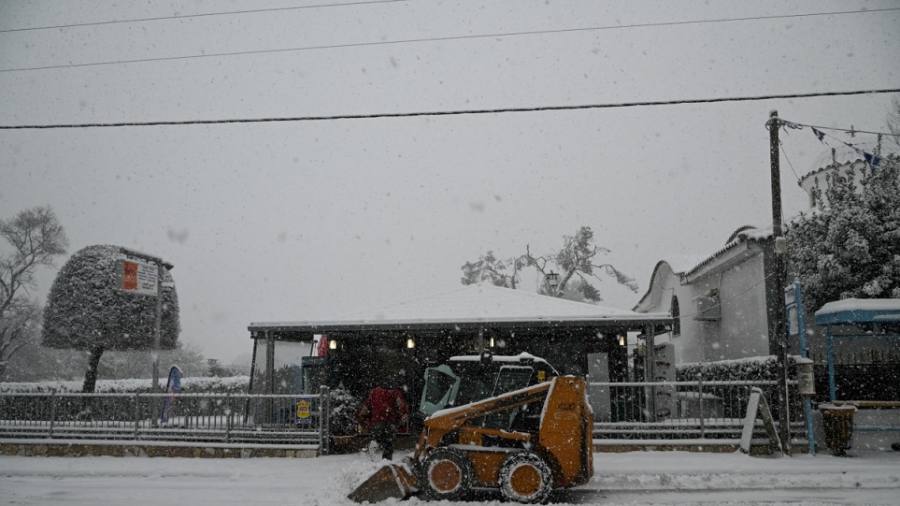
(853, 311)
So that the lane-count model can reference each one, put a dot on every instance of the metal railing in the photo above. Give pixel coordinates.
(202, 418)
(709, 410)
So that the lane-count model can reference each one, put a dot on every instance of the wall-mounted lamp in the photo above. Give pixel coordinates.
(552, 280)
(332, 345)
(410, 343)
(492, 342)
(621, 339)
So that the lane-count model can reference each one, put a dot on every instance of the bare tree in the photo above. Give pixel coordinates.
(36, 238)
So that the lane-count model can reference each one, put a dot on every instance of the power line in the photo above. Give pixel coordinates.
(441, 39)
(450, 113)
(202, 15)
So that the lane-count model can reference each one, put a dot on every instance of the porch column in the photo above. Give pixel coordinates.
(832, 391)
(270, 376)
(650, 370)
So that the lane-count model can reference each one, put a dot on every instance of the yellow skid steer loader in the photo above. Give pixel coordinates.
(525, 443)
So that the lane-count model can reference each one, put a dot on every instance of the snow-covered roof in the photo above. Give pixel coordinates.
(475, 304)
(849, 311)
(755, 234)
(682, 263)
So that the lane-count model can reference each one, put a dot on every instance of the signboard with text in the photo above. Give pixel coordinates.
(136, 277)
(304, 410)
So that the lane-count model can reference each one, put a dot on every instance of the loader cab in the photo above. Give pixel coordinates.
(469, 378)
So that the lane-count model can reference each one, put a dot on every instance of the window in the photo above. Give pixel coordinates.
(676, 316)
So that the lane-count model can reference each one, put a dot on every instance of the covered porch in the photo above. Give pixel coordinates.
(397, 343)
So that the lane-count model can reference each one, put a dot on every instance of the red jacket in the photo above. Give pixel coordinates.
(383, 405)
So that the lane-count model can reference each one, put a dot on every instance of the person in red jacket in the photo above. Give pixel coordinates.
(382, 413)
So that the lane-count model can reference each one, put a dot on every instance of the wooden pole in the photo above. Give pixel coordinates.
(776, 307)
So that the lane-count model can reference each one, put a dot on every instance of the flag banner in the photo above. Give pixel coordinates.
(819, 134)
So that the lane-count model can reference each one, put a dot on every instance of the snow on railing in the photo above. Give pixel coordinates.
(300, 420)
(706, 410)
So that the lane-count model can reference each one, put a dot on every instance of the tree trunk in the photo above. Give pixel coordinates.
(90, 377)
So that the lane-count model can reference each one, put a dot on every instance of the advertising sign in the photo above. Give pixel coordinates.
(136, 277)
(304, 410)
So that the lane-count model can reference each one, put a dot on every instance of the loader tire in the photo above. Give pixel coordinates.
(446, 474)
(525, 478)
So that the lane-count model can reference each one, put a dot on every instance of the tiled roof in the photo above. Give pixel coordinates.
(745, 236)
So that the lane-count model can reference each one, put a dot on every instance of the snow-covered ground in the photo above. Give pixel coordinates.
(628, 478)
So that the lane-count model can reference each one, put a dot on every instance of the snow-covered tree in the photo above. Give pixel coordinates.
(575, 261)
(36, 238)
(849, 245)
(503, 273)
(86, 311)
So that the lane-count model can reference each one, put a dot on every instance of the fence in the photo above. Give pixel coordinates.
(201, 418)
(708, 410)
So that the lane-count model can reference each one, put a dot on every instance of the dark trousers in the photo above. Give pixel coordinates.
(384, 433)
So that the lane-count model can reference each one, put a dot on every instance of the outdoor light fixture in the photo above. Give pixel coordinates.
(552, 280)
(621, 340)
(332, 345)
(410, 343)
(492, 342)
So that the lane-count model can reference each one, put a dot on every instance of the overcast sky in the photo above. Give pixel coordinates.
(313, 220)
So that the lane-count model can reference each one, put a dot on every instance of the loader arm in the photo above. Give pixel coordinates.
(447, 420)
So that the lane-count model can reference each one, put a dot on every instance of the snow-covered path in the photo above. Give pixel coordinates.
(631, 478)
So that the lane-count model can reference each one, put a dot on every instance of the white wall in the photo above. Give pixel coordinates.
(742, 330)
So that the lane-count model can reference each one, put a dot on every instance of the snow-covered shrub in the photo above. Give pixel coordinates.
(196, 385)
(735, 398)
(344, 407)
(745, 369)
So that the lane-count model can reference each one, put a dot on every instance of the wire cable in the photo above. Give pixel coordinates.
(791, 165)
(450, 113)
(201, 15)
(436, 39)
(848, 130)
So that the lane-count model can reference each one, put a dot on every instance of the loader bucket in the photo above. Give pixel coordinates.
(391, 480)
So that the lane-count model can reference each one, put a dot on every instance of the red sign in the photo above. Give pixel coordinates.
(129, 275)
(136, 277)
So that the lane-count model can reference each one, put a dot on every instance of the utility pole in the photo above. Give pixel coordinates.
(776, 307)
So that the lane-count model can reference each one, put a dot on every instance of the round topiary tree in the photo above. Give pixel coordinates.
(87, 311)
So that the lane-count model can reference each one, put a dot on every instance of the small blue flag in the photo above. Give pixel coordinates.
(872, 159)
(819, 134)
